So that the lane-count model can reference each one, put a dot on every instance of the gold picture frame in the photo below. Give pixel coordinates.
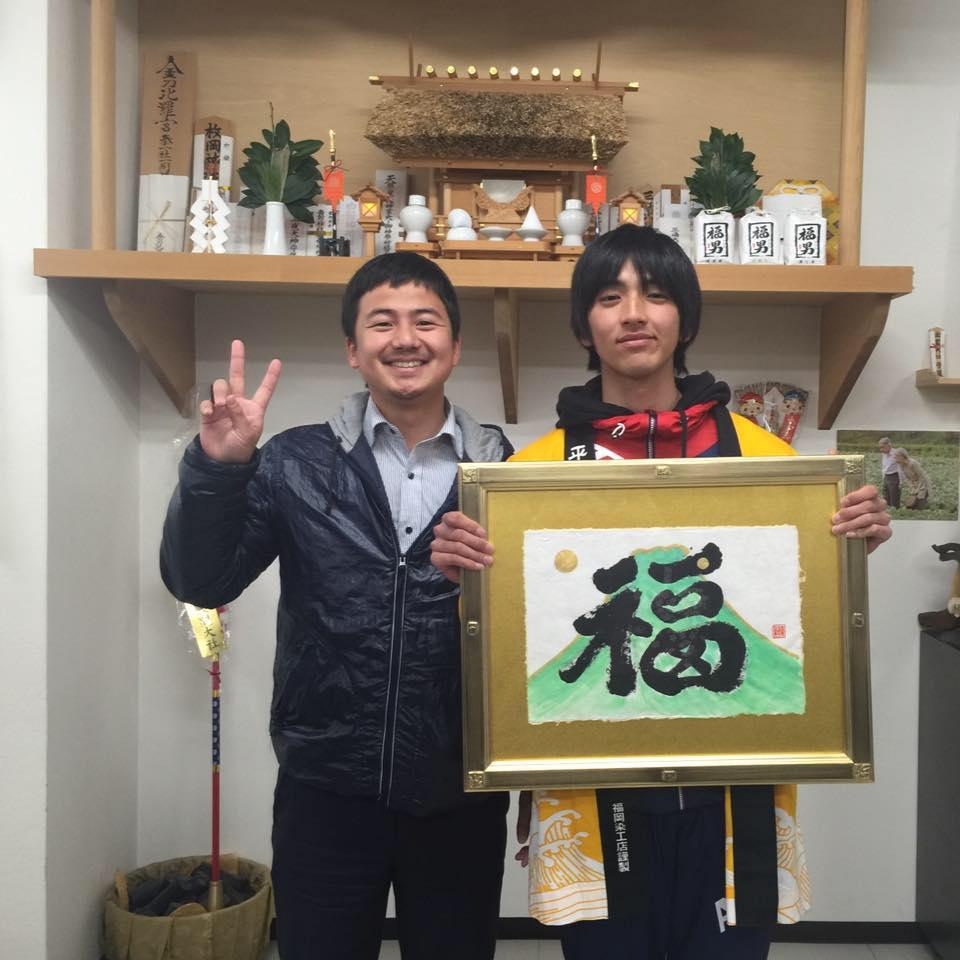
(507, 746)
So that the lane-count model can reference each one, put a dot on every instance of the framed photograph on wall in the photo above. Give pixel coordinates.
(669, 621)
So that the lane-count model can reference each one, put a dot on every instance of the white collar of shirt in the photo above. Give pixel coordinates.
(374, 421)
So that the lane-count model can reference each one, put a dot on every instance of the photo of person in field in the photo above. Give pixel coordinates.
(915, 478)
(917, 471)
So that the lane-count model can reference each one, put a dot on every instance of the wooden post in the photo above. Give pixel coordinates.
(851, 131)
(103, 128)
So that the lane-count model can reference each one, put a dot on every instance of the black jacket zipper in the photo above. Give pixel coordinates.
(393, 677)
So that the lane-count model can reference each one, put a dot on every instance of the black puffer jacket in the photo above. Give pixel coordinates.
(366, 697)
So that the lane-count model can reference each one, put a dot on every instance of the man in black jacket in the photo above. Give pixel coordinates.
(365, 718)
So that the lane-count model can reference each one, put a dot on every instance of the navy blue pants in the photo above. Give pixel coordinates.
(683, 918)
(335, 858)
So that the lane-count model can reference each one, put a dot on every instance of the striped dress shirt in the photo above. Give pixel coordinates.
(417, 481)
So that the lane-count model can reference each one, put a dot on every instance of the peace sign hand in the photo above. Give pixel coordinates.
(231, 423)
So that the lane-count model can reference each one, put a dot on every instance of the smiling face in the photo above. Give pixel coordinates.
(403, 346)
(635, 333)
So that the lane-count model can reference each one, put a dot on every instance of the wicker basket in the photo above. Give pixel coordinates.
(240, 932)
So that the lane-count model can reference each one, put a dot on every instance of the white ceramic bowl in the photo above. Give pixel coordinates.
(532, 233)
(495, 233)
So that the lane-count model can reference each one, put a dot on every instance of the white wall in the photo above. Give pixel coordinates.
(92, 516)
(69, 492)
(862, 840)
(93, 594)
(23, 548)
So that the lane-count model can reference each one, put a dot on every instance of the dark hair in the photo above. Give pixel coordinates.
(659, 262)
(396, 270)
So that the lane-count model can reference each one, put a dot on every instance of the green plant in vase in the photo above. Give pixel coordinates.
(724, 183)
(725, 177)
(280, 173)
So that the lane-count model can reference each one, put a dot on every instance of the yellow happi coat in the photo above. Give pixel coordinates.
(566, 881)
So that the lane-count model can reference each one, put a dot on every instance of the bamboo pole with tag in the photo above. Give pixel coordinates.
(211, 638)
(215, 899)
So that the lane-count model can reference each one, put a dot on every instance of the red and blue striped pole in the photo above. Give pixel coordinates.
(216, 891)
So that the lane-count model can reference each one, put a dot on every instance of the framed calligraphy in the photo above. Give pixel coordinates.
(666, 621)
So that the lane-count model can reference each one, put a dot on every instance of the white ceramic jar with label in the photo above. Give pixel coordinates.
(759, 236)
(715, 236)
(805, 238)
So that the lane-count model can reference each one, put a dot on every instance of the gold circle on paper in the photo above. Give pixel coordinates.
(703, 563)
(565, 561)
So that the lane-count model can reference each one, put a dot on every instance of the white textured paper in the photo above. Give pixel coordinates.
(162, 212)
(760, 576)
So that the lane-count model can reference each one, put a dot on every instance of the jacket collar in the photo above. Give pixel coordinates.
(481, 443)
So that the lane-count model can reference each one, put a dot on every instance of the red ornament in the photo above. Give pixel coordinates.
(333, 188)
(596, 190)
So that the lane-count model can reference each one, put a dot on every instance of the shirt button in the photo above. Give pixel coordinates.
(409, 529)
(409, 476)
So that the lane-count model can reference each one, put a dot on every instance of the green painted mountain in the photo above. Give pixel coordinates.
(771, 681)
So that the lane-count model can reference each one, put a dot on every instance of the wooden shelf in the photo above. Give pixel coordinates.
(948, 387)
(150, 296)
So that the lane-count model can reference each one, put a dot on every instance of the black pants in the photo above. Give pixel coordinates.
(891, 489)
(334, 859)
(685, 917)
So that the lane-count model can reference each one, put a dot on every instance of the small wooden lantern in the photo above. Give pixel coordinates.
(631, 205)
(370, 200)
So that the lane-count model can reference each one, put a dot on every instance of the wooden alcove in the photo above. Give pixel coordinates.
(151, 295)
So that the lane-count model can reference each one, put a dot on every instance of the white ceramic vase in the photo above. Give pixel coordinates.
(275, 233)
(573, 221)
(416, 219)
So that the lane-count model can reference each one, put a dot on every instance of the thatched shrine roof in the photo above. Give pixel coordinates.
(453, 125)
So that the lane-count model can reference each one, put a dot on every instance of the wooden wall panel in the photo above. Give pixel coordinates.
(773, 73)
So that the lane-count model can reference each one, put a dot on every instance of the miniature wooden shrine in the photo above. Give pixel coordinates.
(498, 145)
